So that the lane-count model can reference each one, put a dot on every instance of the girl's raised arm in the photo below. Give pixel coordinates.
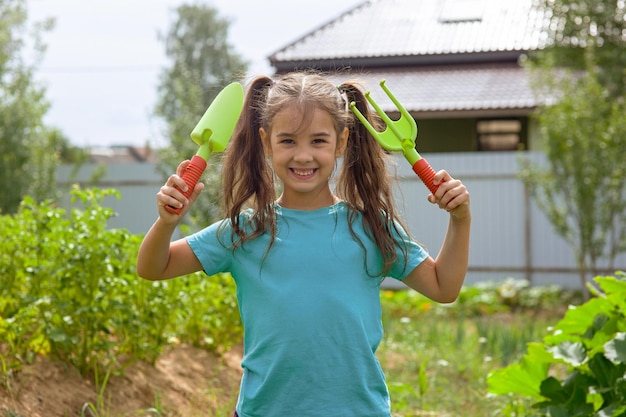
(441, 279)
(158, 257)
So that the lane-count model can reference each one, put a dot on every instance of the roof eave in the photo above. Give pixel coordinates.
(371, 62)
(473, 113)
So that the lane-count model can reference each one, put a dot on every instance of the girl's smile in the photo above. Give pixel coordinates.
(303, 156)
(303, 174)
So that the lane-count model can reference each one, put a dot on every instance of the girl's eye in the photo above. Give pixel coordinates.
(286, 141)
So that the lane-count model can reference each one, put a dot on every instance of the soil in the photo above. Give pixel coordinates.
(185, 381)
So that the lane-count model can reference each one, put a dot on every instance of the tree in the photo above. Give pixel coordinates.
(202, 63)
(29, 150)
(584, 29)
(583, 188)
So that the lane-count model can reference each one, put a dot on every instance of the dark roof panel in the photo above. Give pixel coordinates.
(380, 28)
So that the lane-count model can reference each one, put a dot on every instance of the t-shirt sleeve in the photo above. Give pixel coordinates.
(415, 255)
(210, 250)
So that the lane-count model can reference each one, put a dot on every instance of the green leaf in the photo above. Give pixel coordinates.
(558, 411)
(611, 285)
(615, 350)
(614, 288)
(57, 335)
(613, 410)
(551, 388)
(568, 399)
(524, 378)
(423, 379)
(577, 321)
(604, 371)
(573, 354)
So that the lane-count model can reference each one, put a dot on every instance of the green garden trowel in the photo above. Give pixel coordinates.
(212, 133)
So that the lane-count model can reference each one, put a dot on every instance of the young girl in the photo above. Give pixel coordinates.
(308, 264)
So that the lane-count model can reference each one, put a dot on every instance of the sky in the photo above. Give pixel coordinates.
(104, 57)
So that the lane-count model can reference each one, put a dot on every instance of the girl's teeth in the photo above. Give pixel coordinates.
(303, 173)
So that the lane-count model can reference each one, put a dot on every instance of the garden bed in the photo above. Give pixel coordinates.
(184, 381)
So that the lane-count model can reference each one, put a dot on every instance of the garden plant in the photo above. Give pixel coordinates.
(69, 292)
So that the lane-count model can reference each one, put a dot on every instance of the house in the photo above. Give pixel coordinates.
(455, 66)
(130, 170)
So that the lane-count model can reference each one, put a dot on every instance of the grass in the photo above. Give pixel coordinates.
(437, 359)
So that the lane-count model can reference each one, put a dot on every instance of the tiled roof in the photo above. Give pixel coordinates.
(458, 88)
(438, 56)
(421, 28)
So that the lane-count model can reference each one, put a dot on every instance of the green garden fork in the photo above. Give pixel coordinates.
(399, 135)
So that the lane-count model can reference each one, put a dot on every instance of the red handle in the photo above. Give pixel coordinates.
(426, 173)
(191, 176)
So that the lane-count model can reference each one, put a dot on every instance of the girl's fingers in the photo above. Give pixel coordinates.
(182, 167)
(171, 193)
(196, 192)
(174, 198)
(441, 177)
(451, 193)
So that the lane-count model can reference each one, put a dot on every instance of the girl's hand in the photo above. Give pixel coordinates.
(452, 196)
(171, 193)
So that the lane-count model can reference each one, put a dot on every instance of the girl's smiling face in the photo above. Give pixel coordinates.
(303, 152)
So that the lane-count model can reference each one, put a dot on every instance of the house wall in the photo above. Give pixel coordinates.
(459, 135)
(446, 135)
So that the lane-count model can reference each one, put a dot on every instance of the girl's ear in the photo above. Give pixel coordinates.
(342, 142)
(265, 139)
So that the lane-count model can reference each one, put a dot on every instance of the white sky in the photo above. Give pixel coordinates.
(103, 59)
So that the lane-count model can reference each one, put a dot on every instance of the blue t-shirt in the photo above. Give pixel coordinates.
(311, 314)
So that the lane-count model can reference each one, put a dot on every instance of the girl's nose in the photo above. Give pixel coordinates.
(303, 154)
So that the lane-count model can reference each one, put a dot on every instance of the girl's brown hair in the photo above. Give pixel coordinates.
(364, 182)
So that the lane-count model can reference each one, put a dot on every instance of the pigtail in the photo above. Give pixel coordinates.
(364, 174)
(365, 182)
(246, 177)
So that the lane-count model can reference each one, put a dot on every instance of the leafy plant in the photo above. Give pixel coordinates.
(69, 289)
(580, 368)
(436, 357)
(483, 298)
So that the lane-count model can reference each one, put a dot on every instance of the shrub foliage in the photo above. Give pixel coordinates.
(579, 370)
(69, 289)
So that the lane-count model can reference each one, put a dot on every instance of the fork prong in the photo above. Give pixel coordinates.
(364, 121)
(376, 107)
(412, 135)
(391, 124)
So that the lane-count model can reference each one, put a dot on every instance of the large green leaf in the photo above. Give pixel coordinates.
(605, 372)
(524, 378)
(615, 350)
(577, 321)
(615, 289)
(573, 354)
(551, 388)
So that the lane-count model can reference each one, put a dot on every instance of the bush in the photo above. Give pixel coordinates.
(68, 288)
(580, 368)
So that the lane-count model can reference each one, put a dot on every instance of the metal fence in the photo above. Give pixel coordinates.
(137, 183)
(510, 236)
